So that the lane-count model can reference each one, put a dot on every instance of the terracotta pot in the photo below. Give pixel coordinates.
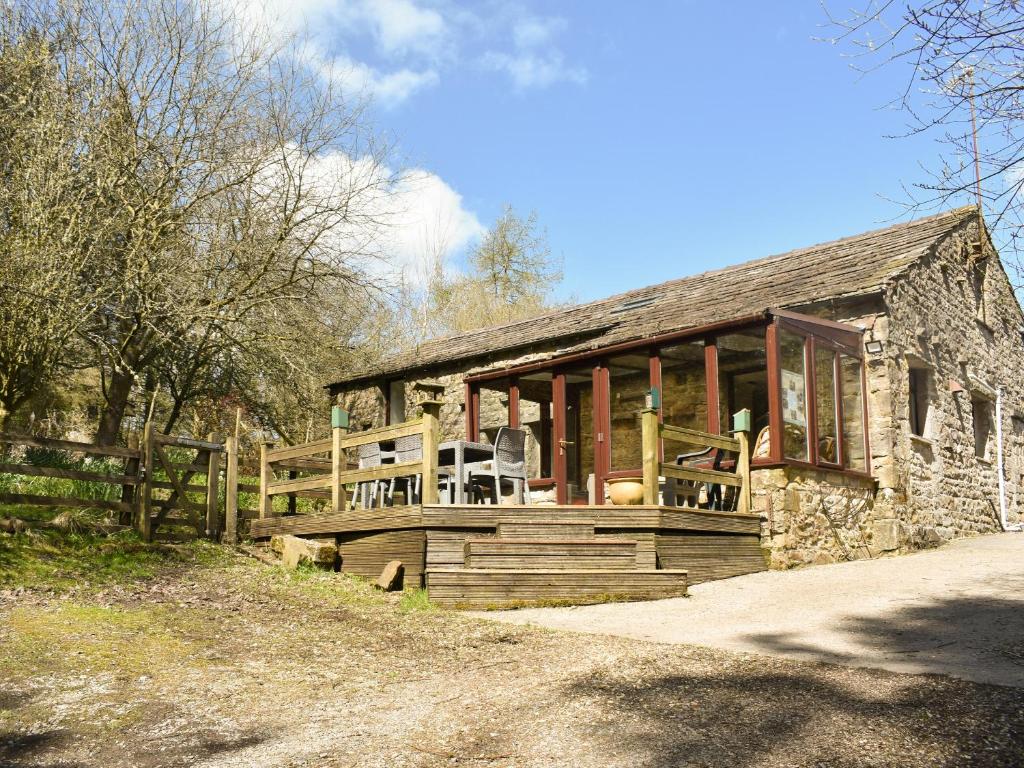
(626, 490)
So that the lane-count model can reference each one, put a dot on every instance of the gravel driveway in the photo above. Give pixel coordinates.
(957, 611)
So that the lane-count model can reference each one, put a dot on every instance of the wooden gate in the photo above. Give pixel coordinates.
(171, 464)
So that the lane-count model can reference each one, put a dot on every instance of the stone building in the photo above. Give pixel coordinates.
(889, 363)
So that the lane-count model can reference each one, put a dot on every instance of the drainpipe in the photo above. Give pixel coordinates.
(1003, 522)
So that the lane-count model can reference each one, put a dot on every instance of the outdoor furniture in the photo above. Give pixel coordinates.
(463, 455)
(709, 458)
(509, 465)
(369, 491)
(410, 448)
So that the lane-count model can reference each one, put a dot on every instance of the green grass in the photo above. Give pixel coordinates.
(47, 558)
(416, 600)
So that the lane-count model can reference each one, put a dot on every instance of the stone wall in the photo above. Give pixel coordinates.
(938, 321)
(811, 516)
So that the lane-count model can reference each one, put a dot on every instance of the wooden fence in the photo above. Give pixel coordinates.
(652, 437)
(140, 504)
(326, 467)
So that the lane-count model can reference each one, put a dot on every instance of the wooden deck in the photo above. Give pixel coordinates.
(490, 556)
(487, 516)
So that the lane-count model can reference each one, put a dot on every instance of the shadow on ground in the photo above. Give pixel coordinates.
(788, 718)
(976, 638)
(49, 748)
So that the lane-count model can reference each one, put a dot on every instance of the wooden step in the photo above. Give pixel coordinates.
(549, 529)
(605, 553)
(487, 588)
(709, 557)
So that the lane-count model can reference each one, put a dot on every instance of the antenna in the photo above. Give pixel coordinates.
(969, 74)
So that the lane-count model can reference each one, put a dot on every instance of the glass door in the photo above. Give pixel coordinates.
(574, 410)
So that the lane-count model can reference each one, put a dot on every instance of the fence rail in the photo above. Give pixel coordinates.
(653, 436)
(330, 468)
(142, 460)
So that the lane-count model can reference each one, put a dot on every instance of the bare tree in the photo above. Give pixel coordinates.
(236, 177)
(964, 62)
(48, 228)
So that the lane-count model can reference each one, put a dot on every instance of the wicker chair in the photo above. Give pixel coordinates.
(410, 448)
(509, 465)
(368, 492)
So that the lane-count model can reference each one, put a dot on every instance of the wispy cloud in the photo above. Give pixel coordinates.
(535, 61)
(407, 46)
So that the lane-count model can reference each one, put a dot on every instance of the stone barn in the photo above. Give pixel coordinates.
(882, 373)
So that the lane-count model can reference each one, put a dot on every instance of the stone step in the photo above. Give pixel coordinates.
(604, 553)
(487, 588)
(548, 529)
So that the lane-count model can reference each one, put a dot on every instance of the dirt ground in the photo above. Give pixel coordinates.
(957, 610)
(223, 661)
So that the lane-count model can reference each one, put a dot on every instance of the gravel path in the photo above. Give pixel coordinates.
(236, 664)
(957, 611)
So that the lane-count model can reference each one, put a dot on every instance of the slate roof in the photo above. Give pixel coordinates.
(857, 265)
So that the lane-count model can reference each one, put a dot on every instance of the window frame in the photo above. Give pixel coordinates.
(840, 340)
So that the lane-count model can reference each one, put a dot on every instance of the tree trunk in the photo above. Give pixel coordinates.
(119, 389)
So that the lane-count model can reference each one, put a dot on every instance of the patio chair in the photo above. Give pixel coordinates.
(508, 466)
(369, 491)
(713, 496)
(410, 448)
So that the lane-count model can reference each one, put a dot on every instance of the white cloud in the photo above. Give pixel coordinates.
(402, 26)
(388, 88)
(529, 70)
(430, 218)
(535, 62)
(399, 29)
(533, 31)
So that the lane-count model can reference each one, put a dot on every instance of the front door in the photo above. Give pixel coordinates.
(574, 422)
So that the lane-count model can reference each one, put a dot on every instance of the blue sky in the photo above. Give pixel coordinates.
(653, 140)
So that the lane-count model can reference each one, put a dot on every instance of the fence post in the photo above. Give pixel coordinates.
(649, 451)
(266, 502)
(431, 439)
(213, 489)
(129, 493)
(741, 425)
(231, 492)
(144, 522)
(338, 500)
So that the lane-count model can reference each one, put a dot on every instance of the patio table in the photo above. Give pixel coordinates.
(459, 453)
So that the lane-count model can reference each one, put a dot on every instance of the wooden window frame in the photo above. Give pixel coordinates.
(840, 341)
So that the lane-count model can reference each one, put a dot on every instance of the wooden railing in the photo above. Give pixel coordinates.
(653, 433)
(326, 462)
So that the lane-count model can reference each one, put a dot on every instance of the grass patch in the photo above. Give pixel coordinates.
(49, 558)
(93, 639)
(416, 600)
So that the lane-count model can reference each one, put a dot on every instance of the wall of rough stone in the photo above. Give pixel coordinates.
(811, 516)
(934, 321)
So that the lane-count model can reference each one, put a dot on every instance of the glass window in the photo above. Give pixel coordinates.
(825, 405)
(854, 450)
(629, 378)
(492, 412)
(535, 417)
(743, 378)
(684, 386)
(794, 395)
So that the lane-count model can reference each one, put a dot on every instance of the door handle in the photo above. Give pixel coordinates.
(563, 444)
